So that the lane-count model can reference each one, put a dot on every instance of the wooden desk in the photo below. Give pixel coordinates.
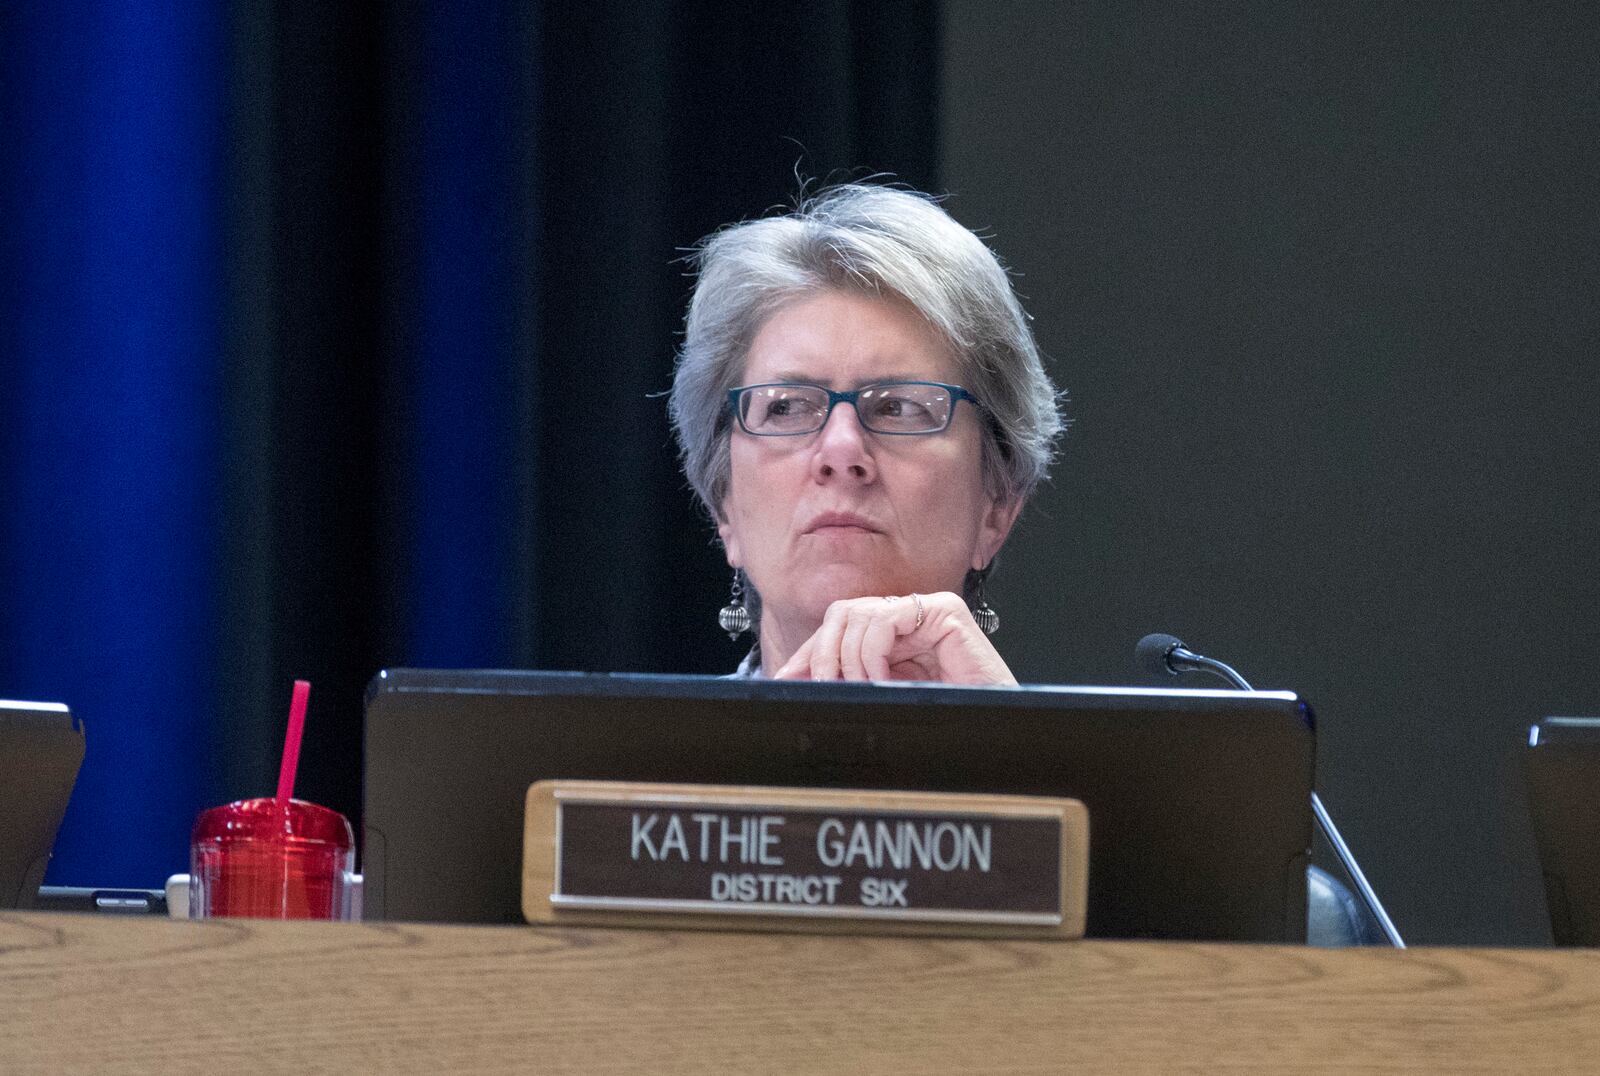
(103, 994)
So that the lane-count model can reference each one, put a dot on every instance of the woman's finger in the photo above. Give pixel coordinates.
(876, 642)
(857, 621)
(871, 626)
(825, 648)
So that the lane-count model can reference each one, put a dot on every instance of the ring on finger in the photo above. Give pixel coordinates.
(920, 611)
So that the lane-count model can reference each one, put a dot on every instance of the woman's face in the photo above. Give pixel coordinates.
(843, 512)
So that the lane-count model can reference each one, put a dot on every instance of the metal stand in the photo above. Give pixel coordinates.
(1347, 859)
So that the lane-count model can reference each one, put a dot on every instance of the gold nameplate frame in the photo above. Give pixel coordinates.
(826, 860)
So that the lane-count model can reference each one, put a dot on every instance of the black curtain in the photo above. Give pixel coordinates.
(661, 122)
(622, 133)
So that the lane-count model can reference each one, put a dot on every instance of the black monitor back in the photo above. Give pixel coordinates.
(41, 747)
(1563, 770)
(1199, 814)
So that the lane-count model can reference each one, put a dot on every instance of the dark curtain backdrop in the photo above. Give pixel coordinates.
(112, 330)
(334, 338)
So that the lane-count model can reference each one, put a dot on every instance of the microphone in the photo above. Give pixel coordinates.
(1157, 653)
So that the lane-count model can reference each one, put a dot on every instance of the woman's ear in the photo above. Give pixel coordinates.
(730, 541)
(998, 520)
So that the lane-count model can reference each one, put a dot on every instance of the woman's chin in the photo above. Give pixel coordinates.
(827, 587)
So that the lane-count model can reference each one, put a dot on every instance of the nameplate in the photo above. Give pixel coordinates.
(804, 859)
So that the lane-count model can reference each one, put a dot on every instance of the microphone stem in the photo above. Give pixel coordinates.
(1202, 663)
(1182, 658)
(1353, 869)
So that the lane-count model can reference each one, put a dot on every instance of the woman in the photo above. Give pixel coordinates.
(861, 406)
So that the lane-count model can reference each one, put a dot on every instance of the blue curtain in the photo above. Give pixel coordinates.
(468, 468)
(333, 337)
(113, 117)
(123, 169)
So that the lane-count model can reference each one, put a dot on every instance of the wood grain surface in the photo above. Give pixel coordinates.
(84, 993)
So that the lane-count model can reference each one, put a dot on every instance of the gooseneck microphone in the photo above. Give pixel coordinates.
(1159, 654)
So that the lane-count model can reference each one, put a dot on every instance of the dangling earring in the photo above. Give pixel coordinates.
(734, 617)
(982, 611)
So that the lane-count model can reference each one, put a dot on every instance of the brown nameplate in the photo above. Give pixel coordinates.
(830, 860)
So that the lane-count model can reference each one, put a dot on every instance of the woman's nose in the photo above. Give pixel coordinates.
(844, 446)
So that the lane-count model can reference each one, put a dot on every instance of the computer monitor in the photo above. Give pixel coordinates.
(1562, 765)
(41, 747)
(1199, 816)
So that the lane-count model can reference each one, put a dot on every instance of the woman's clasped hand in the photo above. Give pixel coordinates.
(911, 637)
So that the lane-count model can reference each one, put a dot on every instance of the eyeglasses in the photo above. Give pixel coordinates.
(897, 407)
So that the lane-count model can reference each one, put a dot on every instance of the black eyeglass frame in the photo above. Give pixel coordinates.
(849, 396)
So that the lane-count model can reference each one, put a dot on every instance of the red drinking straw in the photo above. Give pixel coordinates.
(291, 741)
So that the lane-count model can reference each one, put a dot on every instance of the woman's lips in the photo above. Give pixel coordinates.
(840, 523)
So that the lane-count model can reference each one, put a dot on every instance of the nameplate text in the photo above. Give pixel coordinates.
(686, 850)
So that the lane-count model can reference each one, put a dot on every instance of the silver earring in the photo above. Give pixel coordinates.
(988, 620)
(734, 617)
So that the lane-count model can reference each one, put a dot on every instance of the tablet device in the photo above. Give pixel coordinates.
(1562, 765)
(41, 747)
(1199, 800)
(100, 900)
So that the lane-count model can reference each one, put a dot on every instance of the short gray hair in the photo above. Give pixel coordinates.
(877, 241)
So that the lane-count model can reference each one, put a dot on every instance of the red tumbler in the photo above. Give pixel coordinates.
(271, 859)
